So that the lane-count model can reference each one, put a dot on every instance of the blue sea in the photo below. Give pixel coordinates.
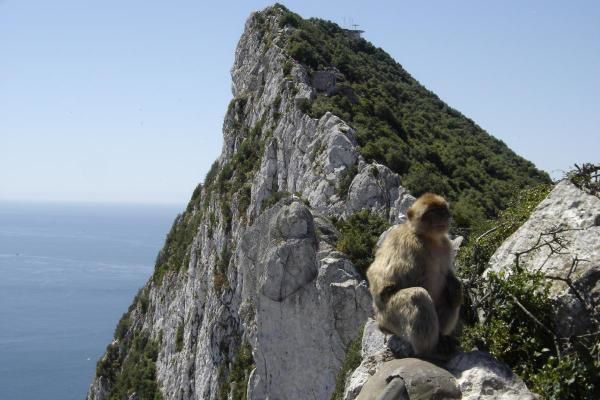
(67, 274)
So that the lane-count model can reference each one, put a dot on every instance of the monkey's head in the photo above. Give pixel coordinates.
(430, 215)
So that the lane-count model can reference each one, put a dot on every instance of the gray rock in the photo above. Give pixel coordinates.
(289, 262)
(480, 377)
(574, 215)
(423, 380)
(476, 374)
(295, 222)
(376, 187)
(324, 81)
(374, 352)
(573, 315)
(568, 209)
(300, 339)
(98, 389)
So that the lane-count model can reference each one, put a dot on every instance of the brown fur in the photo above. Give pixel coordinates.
(415, 293)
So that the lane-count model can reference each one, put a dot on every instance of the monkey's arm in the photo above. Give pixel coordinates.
(395, 266)
(448, 309)
(453, 290)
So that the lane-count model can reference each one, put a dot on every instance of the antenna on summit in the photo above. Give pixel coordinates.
(354, 33)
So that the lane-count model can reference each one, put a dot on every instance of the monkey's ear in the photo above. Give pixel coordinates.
(410, 214)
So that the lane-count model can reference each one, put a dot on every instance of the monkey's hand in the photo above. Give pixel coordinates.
(454, 290)
(388, 291)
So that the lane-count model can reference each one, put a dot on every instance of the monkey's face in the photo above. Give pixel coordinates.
(436, 220)
(430, 215)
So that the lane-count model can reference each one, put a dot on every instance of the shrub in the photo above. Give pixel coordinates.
(130, 366)
(586, 178)
(519, 325)
(346, 180)
(234, 381)
(273, 199)
(489, 235)
(287, 68)
(553, 367)
(179, 337)
(358, 235)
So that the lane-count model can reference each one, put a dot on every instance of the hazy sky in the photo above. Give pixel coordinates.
(124, 100)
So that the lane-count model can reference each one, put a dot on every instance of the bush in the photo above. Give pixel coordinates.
(556, 368)
(175, 252)
(130, 366)
(122, 327)
(273, 199)
(358, 236)
(586, 178)
(179, 337)
(346, 180)
(234, 381)
(489, 235)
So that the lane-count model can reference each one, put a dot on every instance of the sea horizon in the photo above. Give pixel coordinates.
(69, 271)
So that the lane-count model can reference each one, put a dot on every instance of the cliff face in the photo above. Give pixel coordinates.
(268, 279)
(250, 295)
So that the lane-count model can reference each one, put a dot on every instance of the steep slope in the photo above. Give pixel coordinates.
(401, 124)
(250, 296)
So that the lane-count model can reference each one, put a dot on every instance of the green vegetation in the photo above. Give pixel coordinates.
(346, 180)
(175, 252)
(554, 368)
(490, 234)
(226, 180)
(122, 327)
(212, 173)
(273, 199)
(586, 178)
(358, 235)
(129, 365)
(235, 380)
(519, 313)
(287, 68)
(220, 280)
(351, 362)
(236, 175)
(401, 124)
(179, 337)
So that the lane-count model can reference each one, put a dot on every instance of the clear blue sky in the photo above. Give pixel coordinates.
(124, 100)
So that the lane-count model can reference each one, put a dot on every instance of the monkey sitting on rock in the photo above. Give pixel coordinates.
(415, 293)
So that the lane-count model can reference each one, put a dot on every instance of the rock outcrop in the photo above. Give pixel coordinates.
(561, 239)
(307, 306)
(468, 376)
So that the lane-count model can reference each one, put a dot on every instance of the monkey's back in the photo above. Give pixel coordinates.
(398, 260)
